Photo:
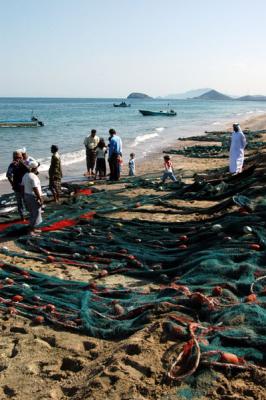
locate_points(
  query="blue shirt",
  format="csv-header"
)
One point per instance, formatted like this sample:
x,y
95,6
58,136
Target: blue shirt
x,y
115,145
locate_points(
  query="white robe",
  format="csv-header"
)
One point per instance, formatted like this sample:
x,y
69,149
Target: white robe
x,y
238,144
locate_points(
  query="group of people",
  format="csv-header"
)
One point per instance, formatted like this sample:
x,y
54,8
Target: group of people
x,y
22,174
96,151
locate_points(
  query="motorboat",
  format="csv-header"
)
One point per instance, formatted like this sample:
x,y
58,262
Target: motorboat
x,y
123,105
170,113
33,122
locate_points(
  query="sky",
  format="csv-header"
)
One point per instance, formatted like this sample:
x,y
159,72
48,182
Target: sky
x,y
110,48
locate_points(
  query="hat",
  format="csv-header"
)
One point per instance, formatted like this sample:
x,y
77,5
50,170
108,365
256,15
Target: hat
x,y
236,124
33,164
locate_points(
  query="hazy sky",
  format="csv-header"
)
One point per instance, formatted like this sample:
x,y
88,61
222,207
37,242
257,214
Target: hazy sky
x,y
109,48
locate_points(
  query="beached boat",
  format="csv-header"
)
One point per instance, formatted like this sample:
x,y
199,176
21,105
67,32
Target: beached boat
x,y
33,122
123,104
169,113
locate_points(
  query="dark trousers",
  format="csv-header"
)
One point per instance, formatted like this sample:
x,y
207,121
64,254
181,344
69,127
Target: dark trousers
x,y
114,167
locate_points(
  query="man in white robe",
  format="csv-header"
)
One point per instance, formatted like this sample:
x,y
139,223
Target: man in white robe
x,y
238,144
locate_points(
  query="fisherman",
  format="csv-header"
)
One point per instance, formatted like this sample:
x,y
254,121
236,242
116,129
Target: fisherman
x,y
115,155
237,147
16,170
55,173
33,195
90,143
26,158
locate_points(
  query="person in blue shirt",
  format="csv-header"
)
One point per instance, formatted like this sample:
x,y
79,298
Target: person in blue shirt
x,y
115,152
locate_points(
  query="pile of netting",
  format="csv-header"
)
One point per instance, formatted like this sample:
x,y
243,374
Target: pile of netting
x,y
219,150
208,277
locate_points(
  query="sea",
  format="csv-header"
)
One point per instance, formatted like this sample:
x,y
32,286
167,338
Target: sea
x,y
67,121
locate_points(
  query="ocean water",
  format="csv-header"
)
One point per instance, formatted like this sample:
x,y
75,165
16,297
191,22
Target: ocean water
x,y
68,121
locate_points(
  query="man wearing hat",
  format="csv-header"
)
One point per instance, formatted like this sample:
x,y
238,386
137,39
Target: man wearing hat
x,y
237,148
33,195
16,170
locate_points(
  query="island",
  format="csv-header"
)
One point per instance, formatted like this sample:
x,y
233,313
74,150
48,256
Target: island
x,y
135,95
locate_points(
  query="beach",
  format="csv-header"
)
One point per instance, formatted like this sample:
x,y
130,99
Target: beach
x,y
48,362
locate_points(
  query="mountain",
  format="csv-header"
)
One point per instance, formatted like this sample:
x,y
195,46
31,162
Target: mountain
x,y
187,95
213,95
252,98
136,95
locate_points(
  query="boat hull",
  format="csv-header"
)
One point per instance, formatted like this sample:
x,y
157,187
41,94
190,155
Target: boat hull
x,y
21,124
157,113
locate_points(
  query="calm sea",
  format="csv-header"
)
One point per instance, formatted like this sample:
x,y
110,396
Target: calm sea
x,y
68,121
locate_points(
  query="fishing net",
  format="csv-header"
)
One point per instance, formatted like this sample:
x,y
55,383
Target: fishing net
x,y
204,280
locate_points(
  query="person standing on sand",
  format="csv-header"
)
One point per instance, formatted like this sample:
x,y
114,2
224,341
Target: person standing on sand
x,y
33,195
90,143
168,169
237,148
16,170
115,152
131,165
100,159
55,173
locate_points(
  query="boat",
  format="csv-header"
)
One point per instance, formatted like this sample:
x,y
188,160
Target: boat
x,y
123,105
170,113
33,122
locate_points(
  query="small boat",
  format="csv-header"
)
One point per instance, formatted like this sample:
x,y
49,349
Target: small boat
x,y
170,113
33,122
123,104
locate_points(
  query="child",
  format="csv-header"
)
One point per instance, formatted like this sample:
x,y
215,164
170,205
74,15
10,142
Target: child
x,y
100,159
131,165
168,169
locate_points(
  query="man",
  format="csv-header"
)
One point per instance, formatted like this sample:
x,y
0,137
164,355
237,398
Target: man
x,y
90,143
26,158
33,195
55,173
115,154
237,147
16,170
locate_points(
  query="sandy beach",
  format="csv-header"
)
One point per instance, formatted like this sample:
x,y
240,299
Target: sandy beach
x,y
43,362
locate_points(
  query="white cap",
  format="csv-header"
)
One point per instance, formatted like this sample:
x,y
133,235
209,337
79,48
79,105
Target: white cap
x,y
33,164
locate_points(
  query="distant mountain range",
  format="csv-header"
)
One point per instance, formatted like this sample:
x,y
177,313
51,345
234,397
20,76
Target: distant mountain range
x,y
199,94
214,95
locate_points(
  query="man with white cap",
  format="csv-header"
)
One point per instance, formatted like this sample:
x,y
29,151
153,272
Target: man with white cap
x,y
26,158
33,195
237,147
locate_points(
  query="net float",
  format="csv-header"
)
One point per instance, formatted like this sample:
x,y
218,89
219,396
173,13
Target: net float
x,y
247,229
17,298
119,224
137,240
243,211
50,259
93,285
138,204
25,286
182,246
39,319
250,298
76,255
36,298
50,307
9,281
118,309
25,274
227,238
217,227
229,358
166,229
217,291
183,238
103,273
92,247
123,251
12,311
254,246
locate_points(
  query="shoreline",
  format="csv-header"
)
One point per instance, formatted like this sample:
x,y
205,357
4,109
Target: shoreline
x,y
152,162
